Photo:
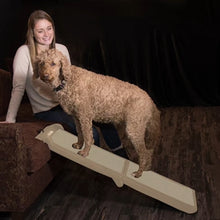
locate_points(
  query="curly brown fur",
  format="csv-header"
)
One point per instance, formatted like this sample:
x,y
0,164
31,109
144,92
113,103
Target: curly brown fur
x,y
88,97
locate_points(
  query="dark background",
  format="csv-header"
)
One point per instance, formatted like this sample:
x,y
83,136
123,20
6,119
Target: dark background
x,y
170,48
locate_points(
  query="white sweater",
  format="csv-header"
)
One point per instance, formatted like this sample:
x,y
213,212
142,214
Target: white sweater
x,y
40,95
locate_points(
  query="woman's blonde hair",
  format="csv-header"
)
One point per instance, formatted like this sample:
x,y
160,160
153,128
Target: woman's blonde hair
x,y
30,40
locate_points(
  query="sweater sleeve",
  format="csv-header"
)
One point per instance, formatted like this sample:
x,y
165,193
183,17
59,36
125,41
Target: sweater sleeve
x,y
21,64
62,48
67,54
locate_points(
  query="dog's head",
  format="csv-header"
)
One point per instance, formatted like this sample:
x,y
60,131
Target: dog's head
x,y
51,66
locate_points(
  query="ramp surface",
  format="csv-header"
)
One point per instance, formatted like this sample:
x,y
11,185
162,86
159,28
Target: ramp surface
x,y
120,170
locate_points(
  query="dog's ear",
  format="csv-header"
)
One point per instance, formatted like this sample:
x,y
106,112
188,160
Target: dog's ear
x,y
37,63
36,68
65,65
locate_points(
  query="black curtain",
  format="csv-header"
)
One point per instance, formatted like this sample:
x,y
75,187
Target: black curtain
x,y
171,52
170,48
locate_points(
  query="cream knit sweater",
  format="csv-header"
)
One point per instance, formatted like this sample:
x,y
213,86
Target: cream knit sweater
x,y
40,95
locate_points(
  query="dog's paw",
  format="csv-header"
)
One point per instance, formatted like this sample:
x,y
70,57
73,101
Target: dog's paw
x,y
137,173
77,146
83,153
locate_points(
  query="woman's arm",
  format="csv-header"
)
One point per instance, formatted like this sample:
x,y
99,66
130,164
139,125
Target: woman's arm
x,y
62,48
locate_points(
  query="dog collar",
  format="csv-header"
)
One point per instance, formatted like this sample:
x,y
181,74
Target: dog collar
x,y
61,86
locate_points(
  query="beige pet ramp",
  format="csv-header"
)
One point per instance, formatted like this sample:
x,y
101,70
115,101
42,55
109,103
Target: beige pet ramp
x,y
120,170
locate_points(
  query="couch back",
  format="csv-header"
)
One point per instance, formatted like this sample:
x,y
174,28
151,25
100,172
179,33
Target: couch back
x,y
5,90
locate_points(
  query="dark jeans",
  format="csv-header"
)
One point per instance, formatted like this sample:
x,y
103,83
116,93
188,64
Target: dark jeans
x,y
57,115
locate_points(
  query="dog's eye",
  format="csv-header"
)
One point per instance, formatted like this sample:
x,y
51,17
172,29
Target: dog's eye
x,y
53,64
42,63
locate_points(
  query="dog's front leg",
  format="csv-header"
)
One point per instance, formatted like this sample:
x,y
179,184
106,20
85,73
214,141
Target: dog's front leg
x,y
79,143
86,128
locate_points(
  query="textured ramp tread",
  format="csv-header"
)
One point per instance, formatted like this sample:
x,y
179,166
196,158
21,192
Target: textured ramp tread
x,y
120,170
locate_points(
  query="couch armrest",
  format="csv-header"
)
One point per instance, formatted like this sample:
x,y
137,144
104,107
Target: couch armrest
x,y
5,90
21,158
13,159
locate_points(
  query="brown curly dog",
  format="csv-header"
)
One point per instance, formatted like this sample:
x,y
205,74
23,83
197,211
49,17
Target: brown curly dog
x,y
89,97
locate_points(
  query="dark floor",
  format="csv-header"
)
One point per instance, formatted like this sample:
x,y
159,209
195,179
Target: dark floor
x,y
189,154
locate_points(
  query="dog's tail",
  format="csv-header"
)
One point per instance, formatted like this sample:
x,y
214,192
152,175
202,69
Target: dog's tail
x,y
153,130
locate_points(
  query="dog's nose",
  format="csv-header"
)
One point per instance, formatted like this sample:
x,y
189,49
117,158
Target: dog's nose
x,y
45,77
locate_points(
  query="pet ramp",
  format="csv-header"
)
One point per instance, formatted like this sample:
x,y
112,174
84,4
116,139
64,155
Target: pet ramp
x,y
120,170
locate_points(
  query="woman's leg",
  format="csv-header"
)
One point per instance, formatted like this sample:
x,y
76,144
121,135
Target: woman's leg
x,y
112,139
109,132
57,115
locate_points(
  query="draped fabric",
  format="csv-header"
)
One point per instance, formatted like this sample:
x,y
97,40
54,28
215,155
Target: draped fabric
x,y
170,48
177,66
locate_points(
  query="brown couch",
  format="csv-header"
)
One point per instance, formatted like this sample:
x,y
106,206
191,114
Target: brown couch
x,y
27,165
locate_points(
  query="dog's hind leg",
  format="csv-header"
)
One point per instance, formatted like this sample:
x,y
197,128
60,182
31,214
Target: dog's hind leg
x,y
126,143
153,130
135,130
143,153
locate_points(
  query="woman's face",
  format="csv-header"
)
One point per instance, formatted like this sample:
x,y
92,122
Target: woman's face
x,y
43,32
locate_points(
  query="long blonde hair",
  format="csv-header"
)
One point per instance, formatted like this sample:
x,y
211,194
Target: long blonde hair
x,y
30,40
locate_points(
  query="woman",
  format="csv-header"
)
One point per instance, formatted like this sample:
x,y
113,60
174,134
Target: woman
x,y
40,37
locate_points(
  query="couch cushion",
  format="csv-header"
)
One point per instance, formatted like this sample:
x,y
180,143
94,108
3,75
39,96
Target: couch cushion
x,y
24,134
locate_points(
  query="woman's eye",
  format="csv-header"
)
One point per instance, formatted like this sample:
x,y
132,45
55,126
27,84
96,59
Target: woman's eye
x,y
53,64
